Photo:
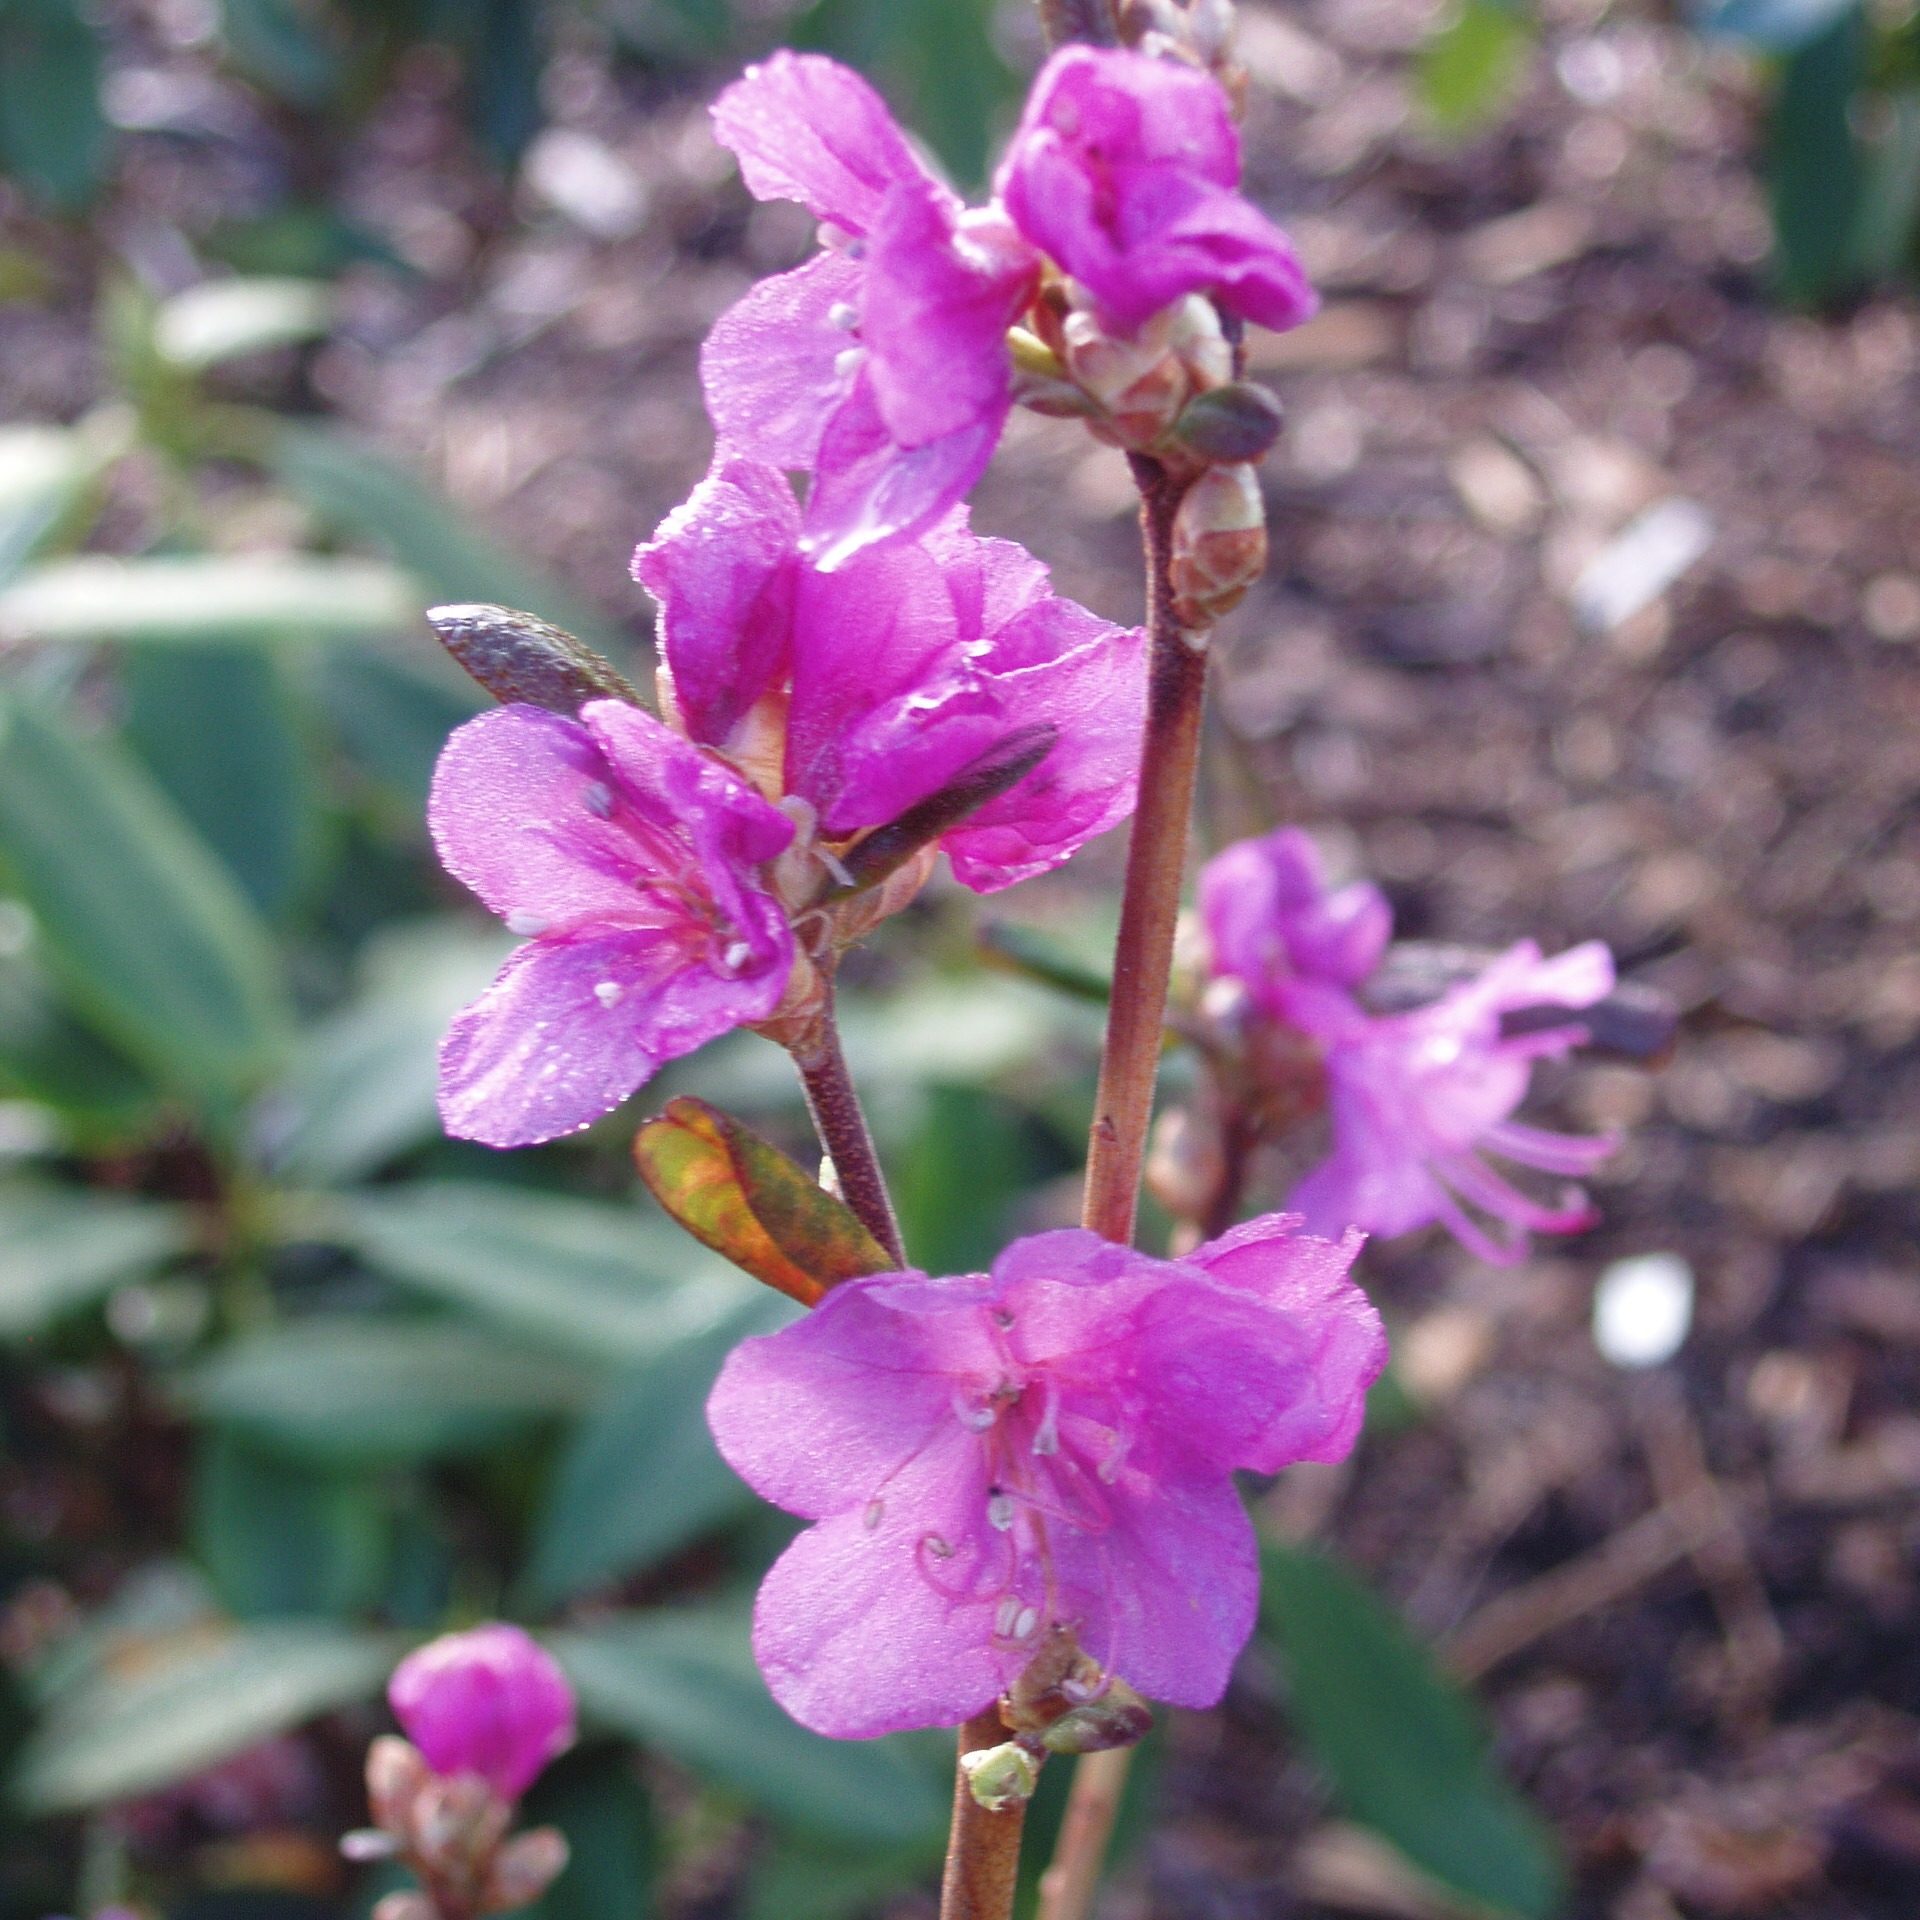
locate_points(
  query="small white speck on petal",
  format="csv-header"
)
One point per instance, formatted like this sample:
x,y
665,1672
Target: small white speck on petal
x,y
528,926
1000,1512
844,315
873,1513
609,992
1024,1624
1643,1309
848,362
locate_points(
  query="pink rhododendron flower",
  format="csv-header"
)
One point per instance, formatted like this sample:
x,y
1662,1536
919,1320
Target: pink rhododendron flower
x,y
491,1702
866,690
880,365
991,1455
1126,170
1416,1099
631,861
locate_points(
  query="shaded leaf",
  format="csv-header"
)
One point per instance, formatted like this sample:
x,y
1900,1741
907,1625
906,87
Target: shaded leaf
x,y
188,1704
47,1056
63,1248
1774,26
1401,1743
798,1880
1038,955
1815,170
207,597
685,1684
970,1160
53,136
603,1282
347,1391
641,1476
147,933
743,1197
44,474
1471,66
595,1798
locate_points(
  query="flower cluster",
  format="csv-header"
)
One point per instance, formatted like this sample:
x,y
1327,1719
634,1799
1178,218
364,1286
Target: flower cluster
x,y
994,1457
1416,1099
851,679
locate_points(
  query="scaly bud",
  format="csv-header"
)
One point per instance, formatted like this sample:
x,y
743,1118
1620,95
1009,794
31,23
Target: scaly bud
x,y
1001,1778
1187,1165
1194,332
1231,425
524,1869
519,658
1119,1718
395,1775
1138,380
458,1822
1219,545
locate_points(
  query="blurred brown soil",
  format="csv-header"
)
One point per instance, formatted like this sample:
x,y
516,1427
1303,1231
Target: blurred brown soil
x,y
1690,1600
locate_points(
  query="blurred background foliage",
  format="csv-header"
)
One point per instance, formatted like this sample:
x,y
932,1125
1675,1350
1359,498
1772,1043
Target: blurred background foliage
x,y
289,1379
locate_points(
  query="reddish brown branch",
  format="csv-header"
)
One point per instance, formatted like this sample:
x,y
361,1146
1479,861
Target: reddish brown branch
x,y
983,1850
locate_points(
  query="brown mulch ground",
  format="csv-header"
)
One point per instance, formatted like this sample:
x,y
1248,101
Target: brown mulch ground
x,y
1691,1600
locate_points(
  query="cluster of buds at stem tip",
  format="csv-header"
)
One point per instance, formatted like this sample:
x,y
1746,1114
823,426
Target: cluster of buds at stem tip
x,y
486,1711
1200,32
1219,546
1062,1703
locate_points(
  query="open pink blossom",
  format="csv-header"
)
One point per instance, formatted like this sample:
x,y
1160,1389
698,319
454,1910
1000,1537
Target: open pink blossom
x,y
1126,170
1054,1443
881,365
631,860
491,1701
1419,1099
1269,916
873,687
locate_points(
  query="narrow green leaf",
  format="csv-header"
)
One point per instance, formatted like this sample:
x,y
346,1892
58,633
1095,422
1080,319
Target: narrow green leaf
x,y
685,1685
148,936
802,1880
207,597
595,1798
641,1477
279,1539
577,1277
362,493
189,1705
1400,1742
53,136
44,474
220,729
349,1392
969,1162
63,1248
1040,956
743,1197
48,1057
1815,168
394,715
226,319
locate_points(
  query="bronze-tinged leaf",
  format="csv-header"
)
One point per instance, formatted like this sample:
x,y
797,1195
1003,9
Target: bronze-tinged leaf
x,y
517,657
744,1198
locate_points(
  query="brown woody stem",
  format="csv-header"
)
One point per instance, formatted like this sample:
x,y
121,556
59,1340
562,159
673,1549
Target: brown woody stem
x,y
983,1849
1130,1063
842,1126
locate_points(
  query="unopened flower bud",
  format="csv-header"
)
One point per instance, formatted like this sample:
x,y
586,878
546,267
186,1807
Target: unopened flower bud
x,y
1188,1164
1001,1778
1231,424
524,1869
1138,380
1119,1718
458,1822
1219,545
491,1703
395,1775
1194,332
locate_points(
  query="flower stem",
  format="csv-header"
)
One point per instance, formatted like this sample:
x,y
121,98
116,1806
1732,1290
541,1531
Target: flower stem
x,y
842,1126
983,1849
1130,1062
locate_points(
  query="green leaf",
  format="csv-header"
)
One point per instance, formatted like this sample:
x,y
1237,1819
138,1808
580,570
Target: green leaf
x,y
743,1197
1042,956
147,934
189,1705
48,1057
1400,1742
360,493
279,1539
284,45
578,1277
1815,168
1890,215
394,717
222,320
220,729
67,1247
1469,69
972,1158
685,1684
201,598
798,1880
45,472
53,137
594,1797
350,1392
641,1476
361,1089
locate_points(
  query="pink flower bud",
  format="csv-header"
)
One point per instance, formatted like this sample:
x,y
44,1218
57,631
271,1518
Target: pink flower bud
x,y
491,1702
1219,545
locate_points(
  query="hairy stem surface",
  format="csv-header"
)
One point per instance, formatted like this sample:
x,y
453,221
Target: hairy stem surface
x,y
1130,1062
842,1126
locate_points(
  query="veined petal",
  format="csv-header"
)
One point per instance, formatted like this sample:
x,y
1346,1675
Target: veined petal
x,y
805,128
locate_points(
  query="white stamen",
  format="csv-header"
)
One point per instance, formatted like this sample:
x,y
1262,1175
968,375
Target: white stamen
x,y
597,797
737,955
871,1517
847,362
609,992
937,1547
1006,1614
527,925
835,866
1046,1438
1000,1512
1024,1624
844,315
